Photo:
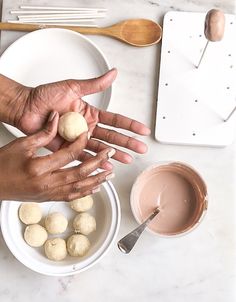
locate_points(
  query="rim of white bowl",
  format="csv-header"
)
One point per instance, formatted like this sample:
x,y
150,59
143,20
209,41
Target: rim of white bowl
x,y
70,269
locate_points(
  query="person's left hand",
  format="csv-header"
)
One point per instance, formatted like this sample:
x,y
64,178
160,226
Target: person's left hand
x,y
67,96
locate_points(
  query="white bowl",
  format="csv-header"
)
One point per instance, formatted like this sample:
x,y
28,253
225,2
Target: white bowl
x,y
106,210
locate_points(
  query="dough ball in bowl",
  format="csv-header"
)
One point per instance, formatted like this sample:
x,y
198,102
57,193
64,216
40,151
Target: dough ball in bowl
x,y
82,204
78,245
71,125
35,235
84,223
56,223
55,249
30,212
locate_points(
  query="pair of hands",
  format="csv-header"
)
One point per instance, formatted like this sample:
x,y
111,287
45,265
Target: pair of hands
x,y
25,176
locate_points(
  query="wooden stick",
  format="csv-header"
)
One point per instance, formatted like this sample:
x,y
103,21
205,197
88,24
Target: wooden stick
x,y
83,23
49,14
61,8
73,20
29,12
60,17
58,20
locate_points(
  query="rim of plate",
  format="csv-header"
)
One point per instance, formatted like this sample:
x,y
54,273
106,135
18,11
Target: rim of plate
x,y
70,269
18,133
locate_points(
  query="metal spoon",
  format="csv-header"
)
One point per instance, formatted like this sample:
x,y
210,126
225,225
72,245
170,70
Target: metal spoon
x,y
127,243
136,32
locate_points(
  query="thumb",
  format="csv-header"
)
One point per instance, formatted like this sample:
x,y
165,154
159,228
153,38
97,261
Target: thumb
x,y
96,84
47,134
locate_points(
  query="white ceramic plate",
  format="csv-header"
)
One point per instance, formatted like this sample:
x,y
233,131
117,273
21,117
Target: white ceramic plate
x,y
106,210
50,55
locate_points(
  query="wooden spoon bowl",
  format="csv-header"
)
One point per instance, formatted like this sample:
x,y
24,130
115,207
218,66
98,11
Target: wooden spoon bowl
x,y
137,32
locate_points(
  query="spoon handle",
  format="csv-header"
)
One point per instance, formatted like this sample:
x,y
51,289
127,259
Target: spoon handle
x,y
127,243
31,27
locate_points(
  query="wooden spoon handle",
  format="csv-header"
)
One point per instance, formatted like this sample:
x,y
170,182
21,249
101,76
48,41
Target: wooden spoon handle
x,y
32,27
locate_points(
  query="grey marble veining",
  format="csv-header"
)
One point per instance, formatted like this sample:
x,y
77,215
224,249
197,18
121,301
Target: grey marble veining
x,y
197,267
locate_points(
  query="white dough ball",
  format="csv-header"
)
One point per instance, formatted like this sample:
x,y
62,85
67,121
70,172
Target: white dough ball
x,y
78,245
30,212
35,235
55,249
84,223
71,125
82,204
56,223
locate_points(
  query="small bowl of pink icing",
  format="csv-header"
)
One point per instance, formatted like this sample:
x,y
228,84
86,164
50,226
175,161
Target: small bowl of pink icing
x,y
177,190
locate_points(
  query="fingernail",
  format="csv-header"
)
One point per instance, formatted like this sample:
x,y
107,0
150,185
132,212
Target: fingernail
x,y
107,166
111,153
110,176
98,189
89,135
51,116
147,132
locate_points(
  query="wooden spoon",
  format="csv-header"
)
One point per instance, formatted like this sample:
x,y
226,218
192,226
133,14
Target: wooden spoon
x,y
136,32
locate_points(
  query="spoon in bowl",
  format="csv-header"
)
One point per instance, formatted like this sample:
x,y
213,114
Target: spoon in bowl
x,y
136,32
127,243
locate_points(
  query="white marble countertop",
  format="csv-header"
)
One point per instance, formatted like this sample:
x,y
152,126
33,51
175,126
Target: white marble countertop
x,y
198,267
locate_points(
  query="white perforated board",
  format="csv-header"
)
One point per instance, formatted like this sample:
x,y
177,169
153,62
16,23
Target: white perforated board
x,y
193,103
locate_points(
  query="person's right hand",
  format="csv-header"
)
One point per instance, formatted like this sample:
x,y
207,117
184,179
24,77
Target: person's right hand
x,y
25,176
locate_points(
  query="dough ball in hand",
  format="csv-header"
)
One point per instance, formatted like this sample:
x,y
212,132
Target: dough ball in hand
x,y
30,212
55,249
78,245
82,204
71,125
35,235
84,223
56,223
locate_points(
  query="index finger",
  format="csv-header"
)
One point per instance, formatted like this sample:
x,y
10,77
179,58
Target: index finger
x,y
120,121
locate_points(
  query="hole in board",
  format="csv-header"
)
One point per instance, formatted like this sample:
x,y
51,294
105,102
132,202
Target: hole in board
x,y
194,134
231,23
200,36
164,117
229,55
171,19
166,84
168,51
228,87
195,101
231,66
